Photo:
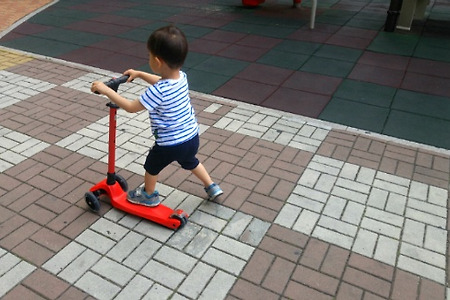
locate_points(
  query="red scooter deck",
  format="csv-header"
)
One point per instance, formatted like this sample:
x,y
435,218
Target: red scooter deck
x,y
161,214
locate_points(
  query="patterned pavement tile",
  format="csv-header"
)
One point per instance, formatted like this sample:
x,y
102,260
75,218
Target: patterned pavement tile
x,y
310,210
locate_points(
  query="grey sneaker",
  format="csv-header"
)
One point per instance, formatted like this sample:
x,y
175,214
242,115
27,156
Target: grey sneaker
x,y
213,191
140,196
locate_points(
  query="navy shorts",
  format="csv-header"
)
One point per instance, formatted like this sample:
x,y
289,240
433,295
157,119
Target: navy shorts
x,y
160,157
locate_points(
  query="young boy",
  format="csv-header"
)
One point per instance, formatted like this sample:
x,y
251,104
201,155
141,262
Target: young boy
x,y
172,117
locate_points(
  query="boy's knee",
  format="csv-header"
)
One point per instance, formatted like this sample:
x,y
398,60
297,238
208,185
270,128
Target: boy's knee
x,y
190,165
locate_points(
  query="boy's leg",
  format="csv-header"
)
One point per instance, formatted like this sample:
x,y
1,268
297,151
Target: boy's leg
x,y
146,195
186,153
201,173
212,189
155,162
150,183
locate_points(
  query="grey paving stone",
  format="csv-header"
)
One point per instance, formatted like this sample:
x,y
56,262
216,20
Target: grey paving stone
x,y
425,217
135,289
333,237
97,286
353,213
224,261
174,197
201,242
337,225
175,259
7,262
309,193
125,246
381,227
383,216
113,271
354,186
14,276
386,250
413,266
219,286
378,198
158,292
95,241
255,232
334,207
233,247
237,225
162,274
365,242
418,190
423,255
350,195
142,254
396,204
306,222
391,187
79,266
109,229
154,231
435,239
413,232
427,208
184,237
209,221
437,196
190,204
217,210
64,257
366,175
288,215
196,280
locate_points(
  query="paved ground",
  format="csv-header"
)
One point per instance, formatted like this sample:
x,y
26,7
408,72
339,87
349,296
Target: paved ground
x,y
347,70
312,210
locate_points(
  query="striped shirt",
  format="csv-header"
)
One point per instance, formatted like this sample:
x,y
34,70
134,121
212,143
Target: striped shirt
x,y
172,117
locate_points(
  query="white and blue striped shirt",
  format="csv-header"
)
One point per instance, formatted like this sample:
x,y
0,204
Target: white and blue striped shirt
x,y
172,117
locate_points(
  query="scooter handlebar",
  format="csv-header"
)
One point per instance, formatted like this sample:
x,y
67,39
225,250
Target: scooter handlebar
x,y
114,83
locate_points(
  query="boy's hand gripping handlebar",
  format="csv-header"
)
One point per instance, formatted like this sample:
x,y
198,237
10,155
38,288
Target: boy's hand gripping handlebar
x,y
114,83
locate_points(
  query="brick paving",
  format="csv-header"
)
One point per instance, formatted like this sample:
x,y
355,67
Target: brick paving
x,y
311,210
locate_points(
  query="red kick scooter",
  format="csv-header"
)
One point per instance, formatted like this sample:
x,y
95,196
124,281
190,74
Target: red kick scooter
x,y
115,186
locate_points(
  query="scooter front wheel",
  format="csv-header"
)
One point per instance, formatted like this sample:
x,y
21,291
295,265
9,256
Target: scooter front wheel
x,y
92,201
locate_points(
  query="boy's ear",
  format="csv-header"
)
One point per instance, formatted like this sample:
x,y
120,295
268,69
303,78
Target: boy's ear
x,y
159,61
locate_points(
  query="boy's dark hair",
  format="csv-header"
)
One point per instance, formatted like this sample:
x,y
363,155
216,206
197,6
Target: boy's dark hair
x,y
169,43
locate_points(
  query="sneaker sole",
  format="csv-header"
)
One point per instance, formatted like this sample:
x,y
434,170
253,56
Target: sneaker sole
x,y
212,198
143,204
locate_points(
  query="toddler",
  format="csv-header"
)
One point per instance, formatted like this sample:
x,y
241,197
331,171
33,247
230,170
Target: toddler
x,y
172,116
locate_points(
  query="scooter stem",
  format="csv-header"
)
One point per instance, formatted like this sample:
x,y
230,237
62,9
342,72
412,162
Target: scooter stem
x,y
111,175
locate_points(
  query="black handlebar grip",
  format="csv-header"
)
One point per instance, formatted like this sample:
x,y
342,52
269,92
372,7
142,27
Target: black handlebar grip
x,y
114,83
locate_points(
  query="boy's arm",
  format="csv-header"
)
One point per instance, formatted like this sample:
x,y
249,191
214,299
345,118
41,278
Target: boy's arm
x,y
129,106
150,78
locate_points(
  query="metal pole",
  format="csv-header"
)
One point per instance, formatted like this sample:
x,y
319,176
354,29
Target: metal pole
x,y
392,15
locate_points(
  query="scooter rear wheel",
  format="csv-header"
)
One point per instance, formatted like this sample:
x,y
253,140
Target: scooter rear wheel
x,y
182,217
